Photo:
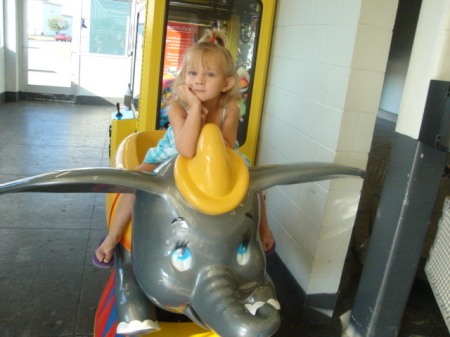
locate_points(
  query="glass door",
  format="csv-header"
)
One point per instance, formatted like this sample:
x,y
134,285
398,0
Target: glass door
x,y
52,30
138,11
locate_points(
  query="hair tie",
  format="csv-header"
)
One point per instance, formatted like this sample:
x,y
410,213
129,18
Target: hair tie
x,y
212,40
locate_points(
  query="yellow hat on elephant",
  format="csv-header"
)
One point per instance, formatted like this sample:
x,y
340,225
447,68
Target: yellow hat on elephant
x,y
216,179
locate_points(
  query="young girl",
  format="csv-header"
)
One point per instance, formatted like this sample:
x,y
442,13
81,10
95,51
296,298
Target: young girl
x,y
206,91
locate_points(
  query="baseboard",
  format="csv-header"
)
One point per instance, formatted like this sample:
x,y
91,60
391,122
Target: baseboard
x,y
12,96
97,100
295,303
86,100
32,96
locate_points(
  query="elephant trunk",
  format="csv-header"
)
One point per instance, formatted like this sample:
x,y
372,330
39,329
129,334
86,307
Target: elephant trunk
x,y
216,302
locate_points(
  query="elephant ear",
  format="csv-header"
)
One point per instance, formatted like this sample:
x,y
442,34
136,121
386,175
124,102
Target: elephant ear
x,y
264,177
94,180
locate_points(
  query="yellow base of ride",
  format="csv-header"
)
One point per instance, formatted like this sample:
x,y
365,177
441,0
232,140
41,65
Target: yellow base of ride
x,y
129,155
169,329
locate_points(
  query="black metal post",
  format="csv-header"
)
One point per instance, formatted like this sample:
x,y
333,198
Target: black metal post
x,y
411,184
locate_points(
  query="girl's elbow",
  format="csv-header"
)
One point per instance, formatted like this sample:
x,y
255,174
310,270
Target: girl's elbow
x,y
186,149
187,153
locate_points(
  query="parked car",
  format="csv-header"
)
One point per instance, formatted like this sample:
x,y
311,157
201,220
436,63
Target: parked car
x,y
63,38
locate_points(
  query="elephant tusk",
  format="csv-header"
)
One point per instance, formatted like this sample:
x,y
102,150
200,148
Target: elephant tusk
x,y
252,308
137,327
274,303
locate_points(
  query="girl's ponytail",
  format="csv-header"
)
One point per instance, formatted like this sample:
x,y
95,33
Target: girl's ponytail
x,y
214,36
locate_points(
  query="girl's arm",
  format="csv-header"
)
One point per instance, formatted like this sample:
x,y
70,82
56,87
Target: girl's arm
x,y
230,124
186,126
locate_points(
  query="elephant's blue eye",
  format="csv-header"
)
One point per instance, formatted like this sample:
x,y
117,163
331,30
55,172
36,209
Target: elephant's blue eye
x,y
181,258
243,253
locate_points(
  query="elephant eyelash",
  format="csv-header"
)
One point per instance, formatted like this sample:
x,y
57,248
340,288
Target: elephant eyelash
x,y
246,239
181,244
177,219
248,215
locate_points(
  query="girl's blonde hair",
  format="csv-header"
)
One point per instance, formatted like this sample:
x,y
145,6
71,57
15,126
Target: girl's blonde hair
x,y
212,45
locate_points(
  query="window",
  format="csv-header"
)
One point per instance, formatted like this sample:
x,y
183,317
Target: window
x,y
108,27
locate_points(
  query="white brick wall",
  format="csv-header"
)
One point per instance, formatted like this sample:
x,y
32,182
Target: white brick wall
x,y
325,78
429,59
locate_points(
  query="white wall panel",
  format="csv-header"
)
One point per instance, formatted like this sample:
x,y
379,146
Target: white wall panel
x,y
325,78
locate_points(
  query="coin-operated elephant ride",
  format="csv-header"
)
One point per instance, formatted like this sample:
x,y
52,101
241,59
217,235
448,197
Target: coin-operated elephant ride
x,y
195,247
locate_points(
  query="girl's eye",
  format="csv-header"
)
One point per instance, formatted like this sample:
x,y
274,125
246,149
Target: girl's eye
x,y
192,73
209,74
181,258
243,253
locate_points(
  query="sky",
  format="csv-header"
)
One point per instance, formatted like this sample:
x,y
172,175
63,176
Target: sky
x,y
69,6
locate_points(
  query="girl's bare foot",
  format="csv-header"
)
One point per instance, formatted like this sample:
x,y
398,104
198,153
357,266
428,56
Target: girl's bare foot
x,y
267,239
105,251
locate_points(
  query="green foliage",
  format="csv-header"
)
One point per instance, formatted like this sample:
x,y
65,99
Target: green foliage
x,y
57,23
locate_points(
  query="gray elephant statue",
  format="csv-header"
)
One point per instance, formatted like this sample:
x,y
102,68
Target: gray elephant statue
x,y
195,244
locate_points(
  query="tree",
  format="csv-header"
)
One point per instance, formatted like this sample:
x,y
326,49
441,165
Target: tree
x,y
57,24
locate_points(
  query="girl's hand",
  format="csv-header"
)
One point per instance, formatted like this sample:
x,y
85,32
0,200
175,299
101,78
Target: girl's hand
x,y
188,97
192,102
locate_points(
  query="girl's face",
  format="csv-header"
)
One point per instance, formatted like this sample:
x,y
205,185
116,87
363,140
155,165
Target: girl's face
x,y
205,77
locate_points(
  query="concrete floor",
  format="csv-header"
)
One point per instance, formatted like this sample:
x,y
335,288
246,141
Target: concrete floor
x,y
48,285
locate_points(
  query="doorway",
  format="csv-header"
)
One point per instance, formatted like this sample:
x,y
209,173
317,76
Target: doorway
x,y
51,46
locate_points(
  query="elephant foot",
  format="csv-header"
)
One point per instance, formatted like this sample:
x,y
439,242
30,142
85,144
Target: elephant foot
x,y
137,327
